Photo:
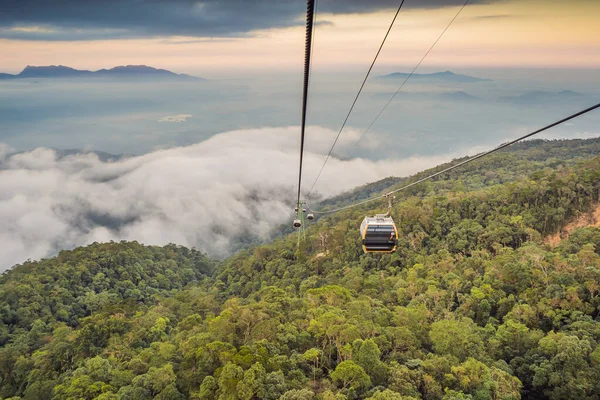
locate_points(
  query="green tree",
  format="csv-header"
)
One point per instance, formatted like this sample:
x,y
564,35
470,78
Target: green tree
x,y
208,389
230,377
295,394
460,339
348,374
565,370
275,385
367,354
312,355
252,385
388,395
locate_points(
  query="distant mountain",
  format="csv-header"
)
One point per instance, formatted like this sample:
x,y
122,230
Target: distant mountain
x,y
141,71
458,96
446,76
62,153
103,156
128,72
52,71
544,97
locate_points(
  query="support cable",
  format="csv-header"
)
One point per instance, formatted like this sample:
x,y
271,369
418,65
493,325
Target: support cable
x,y
310,8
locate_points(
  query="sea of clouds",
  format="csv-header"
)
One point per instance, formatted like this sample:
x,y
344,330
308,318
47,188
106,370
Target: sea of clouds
x,y
201,196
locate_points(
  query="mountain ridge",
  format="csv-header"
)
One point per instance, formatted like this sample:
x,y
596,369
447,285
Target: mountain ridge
x,y
459,95
446,76
540,154
122,71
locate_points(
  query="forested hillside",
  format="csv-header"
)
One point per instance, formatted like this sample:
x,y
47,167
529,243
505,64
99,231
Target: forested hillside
x,y
508,165
473,305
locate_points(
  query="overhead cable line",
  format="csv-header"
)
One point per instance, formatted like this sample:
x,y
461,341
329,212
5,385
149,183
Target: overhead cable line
x,y
312,48
357,96
408,77
470,160
395,94
310,8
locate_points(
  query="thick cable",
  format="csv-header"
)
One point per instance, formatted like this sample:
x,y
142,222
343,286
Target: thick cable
x,y
357,96
470,160
310,8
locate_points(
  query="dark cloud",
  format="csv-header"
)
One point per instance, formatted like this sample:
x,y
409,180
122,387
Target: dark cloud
x,y
110,19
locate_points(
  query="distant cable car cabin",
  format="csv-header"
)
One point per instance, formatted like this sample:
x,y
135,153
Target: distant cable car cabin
x,y
297,223
379,234
310,217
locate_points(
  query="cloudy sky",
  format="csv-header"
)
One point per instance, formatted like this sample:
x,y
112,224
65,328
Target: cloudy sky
x,y
219,37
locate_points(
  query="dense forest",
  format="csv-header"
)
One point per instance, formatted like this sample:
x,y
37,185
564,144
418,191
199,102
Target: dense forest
x,y
475,304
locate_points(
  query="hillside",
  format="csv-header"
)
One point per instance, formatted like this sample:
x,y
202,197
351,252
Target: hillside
x,y
509,165
474,304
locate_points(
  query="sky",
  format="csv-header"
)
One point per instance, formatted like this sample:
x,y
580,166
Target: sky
x,y
212,164
218,38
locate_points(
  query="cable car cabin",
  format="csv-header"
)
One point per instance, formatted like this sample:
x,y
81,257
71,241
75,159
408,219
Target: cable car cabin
x,y
379,235
297,223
